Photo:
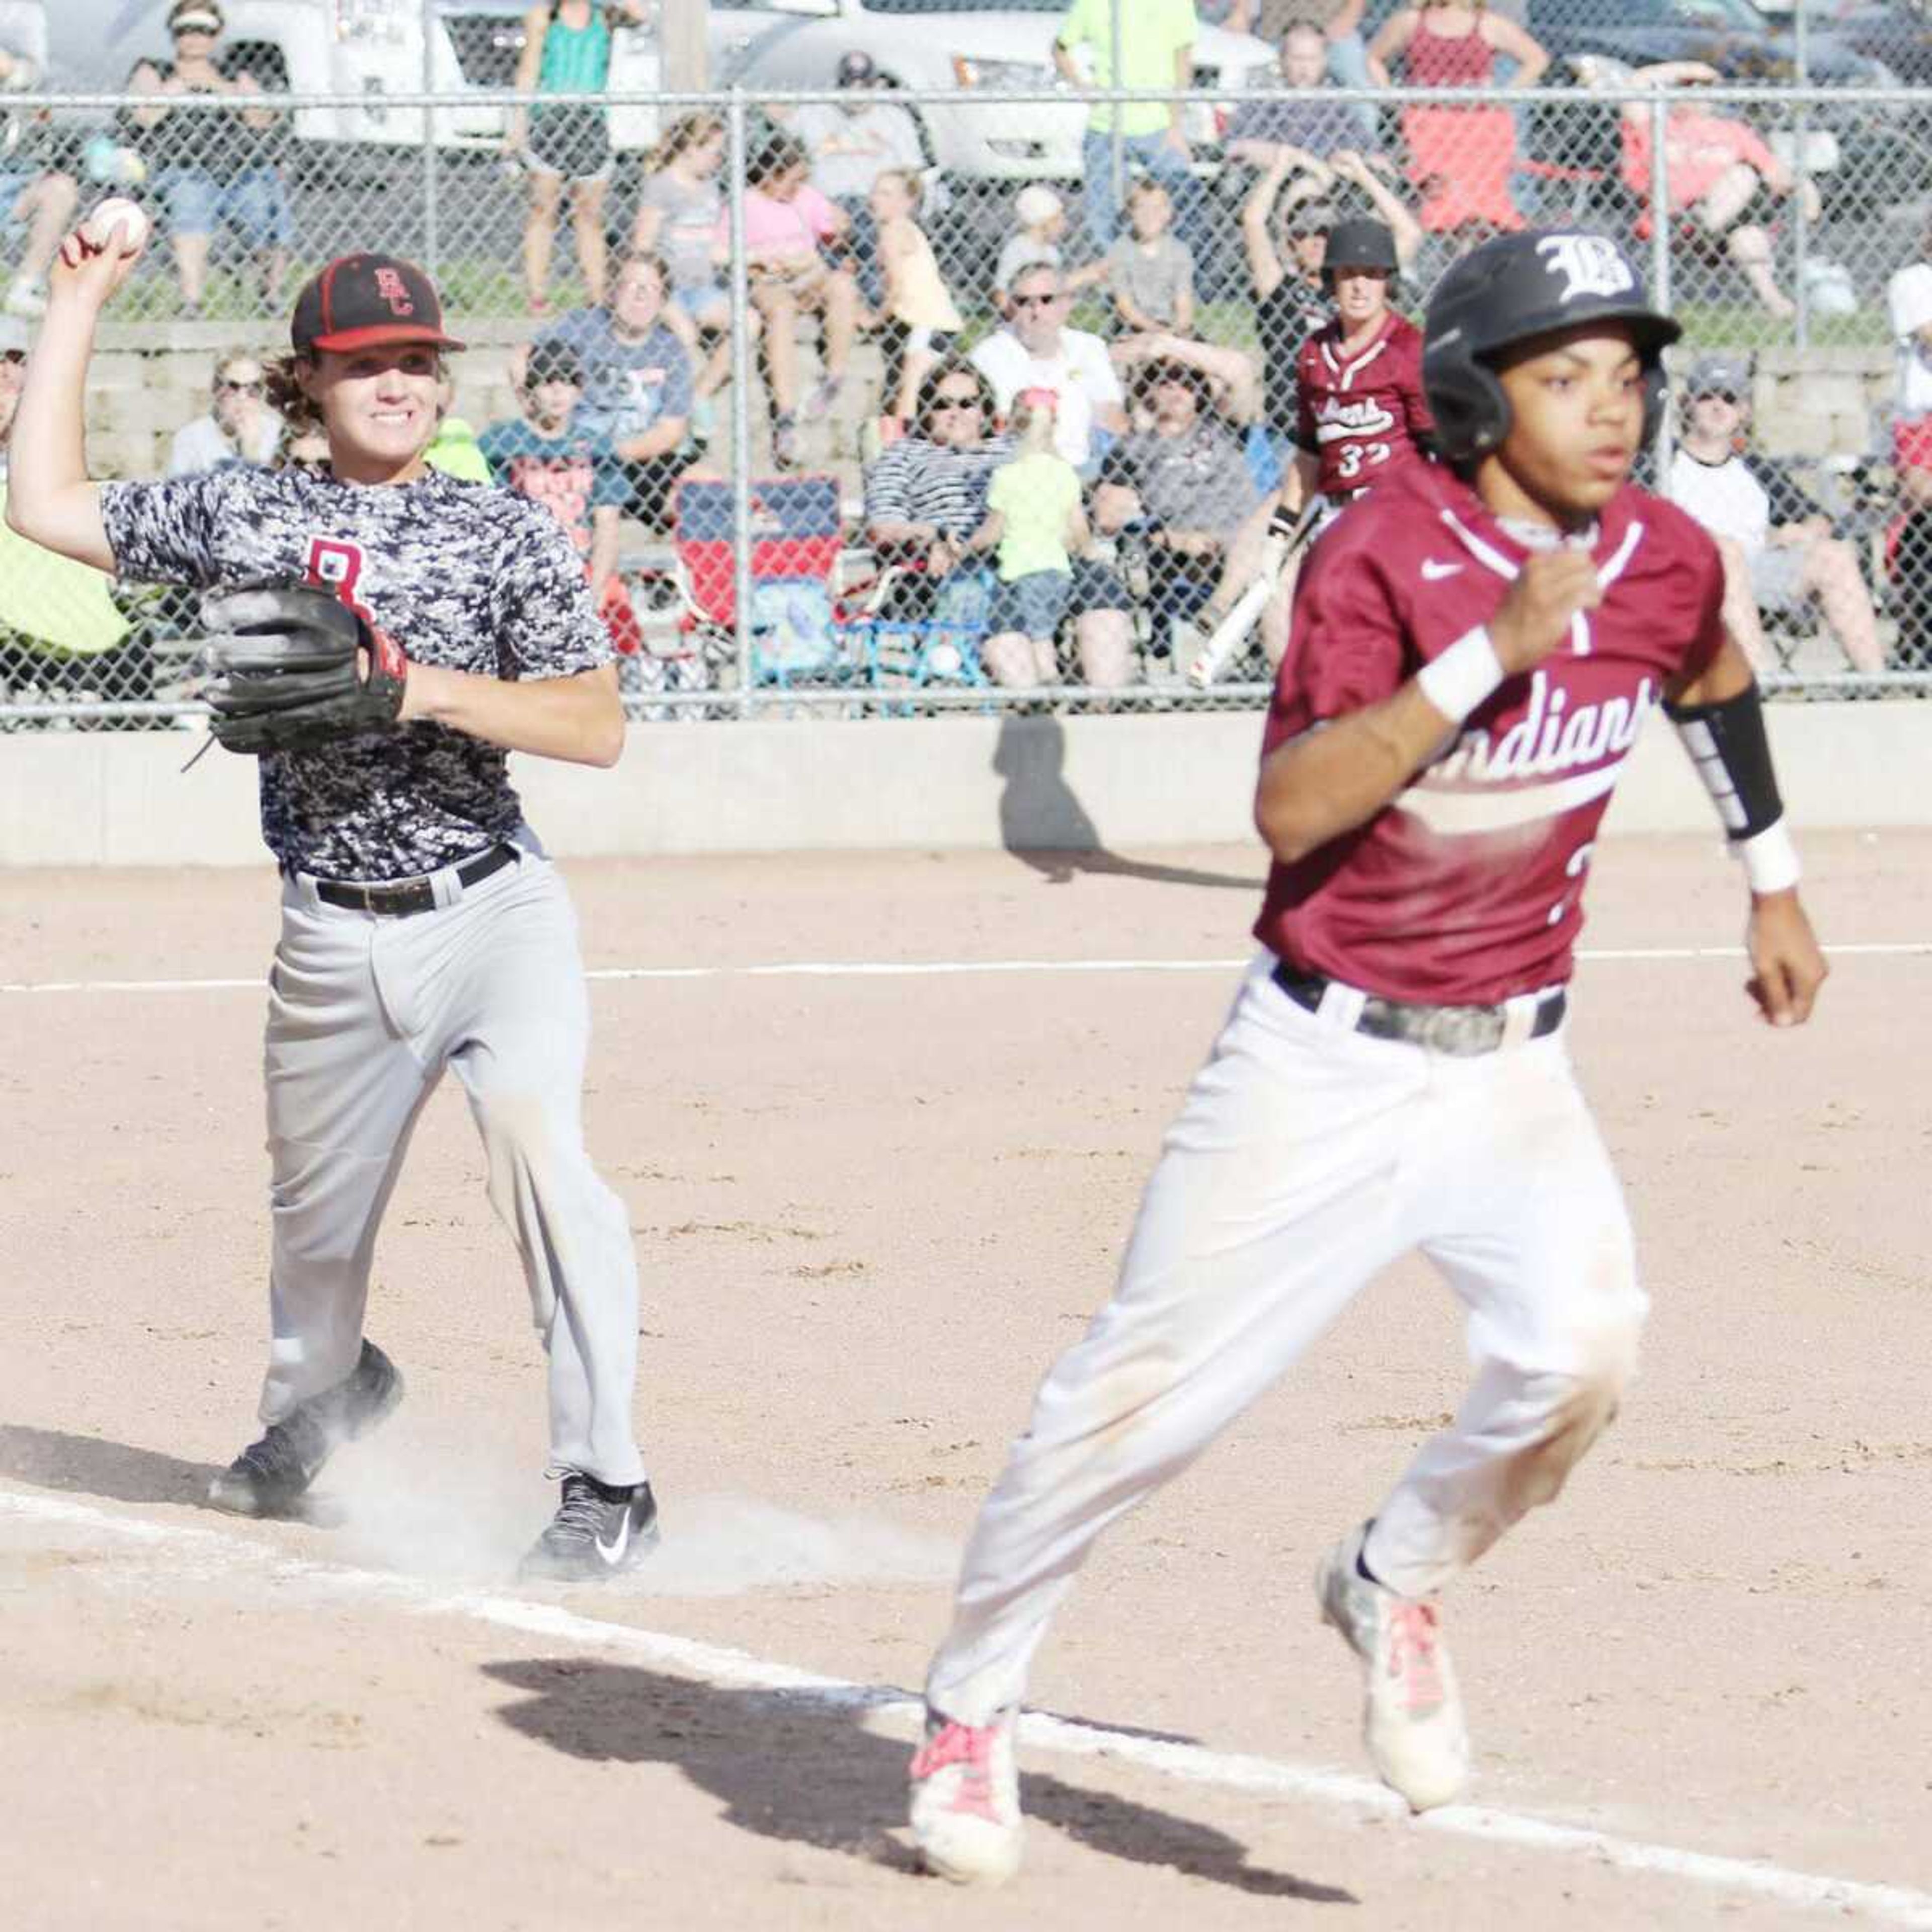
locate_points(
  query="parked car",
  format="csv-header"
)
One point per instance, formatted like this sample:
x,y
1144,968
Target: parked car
x,y
948,52
373,49
1898,32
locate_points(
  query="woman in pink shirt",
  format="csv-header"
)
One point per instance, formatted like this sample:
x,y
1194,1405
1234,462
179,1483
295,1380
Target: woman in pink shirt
x,y
787,220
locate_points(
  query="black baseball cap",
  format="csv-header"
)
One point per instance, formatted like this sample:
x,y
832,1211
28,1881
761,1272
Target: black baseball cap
x,y
553,362
858,69
361,302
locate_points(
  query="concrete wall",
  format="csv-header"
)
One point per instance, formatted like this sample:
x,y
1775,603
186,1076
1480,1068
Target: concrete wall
x,y
121,798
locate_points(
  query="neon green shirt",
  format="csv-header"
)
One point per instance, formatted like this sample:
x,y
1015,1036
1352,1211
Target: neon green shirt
x,y
454,451
51,600
1152,32
1036,495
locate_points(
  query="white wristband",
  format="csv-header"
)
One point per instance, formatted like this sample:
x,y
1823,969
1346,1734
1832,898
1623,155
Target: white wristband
x,y
1769,859
1463,676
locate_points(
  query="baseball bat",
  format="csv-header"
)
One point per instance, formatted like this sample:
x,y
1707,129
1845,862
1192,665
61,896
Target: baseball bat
x,y
1285,536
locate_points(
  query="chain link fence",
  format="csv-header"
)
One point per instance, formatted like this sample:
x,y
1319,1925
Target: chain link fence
x,y
764,354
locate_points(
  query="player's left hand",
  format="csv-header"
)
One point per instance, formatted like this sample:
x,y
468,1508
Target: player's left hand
x,y
1787,965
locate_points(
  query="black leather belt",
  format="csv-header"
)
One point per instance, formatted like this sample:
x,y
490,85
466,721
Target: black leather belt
x,y
1460,1029
399,896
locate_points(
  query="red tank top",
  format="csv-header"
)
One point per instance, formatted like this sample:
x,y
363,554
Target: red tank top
x,y
1447,60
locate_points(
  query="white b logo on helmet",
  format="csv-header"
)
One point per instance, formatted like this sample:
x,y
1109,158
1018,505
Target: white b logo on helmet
x,y
1589,264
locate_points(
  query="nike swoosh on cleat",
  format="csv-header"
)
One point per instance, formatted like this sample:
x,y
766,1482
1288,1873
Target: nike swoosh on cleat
x,y
1433,571
613,1553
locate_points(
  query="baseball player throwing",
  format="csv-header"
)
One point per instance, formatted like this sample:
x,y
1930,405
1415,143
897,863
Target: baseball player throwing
x,y
385,636
1475,647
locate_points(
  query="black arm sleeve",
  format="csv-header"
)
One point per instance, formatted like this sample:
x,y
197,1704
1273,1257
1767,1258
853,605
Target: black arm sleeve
x,y
1727,743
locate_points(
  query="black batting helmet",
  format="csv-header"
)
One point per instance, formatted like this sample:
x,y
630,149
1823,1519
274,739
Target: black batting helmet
x,y
1360,243
1509,290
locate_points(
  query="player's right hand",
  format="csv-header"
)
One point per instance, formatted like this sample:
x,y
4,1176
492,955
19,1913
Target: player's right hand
x,y
1533,618
93,269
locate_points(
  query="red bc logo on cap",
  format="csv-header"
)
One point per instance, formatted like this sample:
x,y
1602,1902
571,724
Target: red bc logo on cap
x,y
393,290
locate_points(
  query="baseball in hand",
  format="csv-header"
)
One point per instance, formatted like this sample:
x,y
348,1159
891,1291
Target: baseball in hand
x,y
116,220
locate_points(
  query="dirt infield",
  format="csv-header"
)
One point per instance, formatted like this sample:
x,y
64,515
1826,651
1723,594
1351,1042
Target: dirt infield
x,y
870,1206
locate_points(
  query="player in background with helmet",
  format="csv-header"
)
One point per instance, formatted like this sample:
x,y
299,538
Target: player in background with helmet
x,y
1474,649
1360,411
422,927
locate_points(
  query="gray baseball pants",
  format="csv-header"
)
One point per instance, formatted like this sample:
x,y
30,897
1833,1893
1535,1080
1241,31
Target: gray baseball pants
x,y
364,1012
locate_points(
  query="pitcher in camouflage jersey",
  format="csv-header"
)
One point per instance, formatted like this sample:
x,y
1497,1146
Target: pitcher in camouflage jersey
x,y
422,925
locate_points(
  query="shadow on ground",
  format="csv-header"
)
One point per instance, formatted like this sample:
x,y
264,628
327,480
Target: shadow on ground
x,y
800,1768
1043,823
50,1459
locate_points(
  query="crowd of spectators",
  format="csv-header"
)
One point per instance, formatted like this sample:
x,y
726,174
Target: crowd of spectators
x,y
1050,442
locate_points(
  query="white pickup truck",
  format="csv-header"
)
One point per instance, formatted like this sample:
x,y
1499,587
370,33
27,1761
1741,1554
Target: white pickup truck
x,y
953,53
373,49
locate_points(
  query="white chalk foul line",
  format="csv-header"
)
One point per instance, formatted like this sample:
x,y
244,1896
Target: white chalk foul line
x,y
913,969
1190,1764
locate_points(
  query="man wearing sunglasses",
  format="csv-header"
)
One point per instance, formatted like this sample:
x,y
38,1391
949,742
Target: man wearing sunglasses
x,y
238,427
1781,559
1036,350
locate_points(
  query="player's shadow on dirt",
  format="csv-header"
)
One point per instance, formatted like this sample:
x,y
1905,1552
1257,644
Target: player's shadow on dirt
x,y
799,1768
1042,822
50,1459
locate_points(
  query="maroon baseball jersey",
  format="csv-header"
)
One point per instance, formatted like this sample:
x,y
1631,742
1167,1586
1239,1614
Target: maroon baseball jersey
x,y
1361,414
1467,887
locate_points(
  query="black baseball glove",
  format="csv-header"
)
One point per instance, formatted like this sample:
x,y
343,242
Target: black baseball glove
x,y
292,666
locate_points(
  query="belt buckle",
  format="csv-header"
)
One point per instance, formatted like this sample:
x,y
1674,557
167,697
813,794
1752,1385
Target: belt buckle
x,y
1461,1031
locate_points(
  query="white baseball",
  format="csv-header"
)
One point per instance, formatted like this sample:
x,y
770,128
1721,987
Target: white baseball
x,y
118,212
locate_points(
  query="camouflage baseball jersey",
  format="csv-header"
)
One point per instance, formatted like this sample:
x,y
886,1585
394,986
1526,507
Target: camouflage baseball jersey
x,y
460,575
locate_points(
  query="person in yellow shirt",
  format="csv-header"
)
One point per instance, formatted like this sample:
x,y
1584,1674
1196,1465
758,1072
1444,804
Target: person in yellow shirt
x,y
1034,520
61,634
1157,47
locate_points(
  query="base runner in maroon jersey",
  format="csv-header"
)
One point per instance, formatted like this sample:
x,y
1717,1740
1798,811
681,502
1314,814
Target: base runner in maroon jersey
x,y
1361,413
1474,646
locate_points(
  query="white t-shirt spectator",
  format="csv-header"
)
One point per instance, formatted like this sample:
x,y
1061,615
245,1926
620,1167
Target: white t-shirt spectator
x,y
1081,375
203,444
1908,301
850,152
1726,498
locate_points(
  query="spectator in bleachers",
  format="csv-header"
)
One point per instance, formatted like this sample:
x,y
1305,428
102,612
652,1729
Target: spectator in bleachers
x,y
1781,558
1909,545
1460,158
1231,376
1339,22
1184,480
788,224
1312,130
61,633
849,144
1036,350
1042,219
40,199
547,455
1150,271
681,217
919,317
212,170
925,497
1035,524
454,449
926,493
565,142
1720,173
638,381
239,426
1156,49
